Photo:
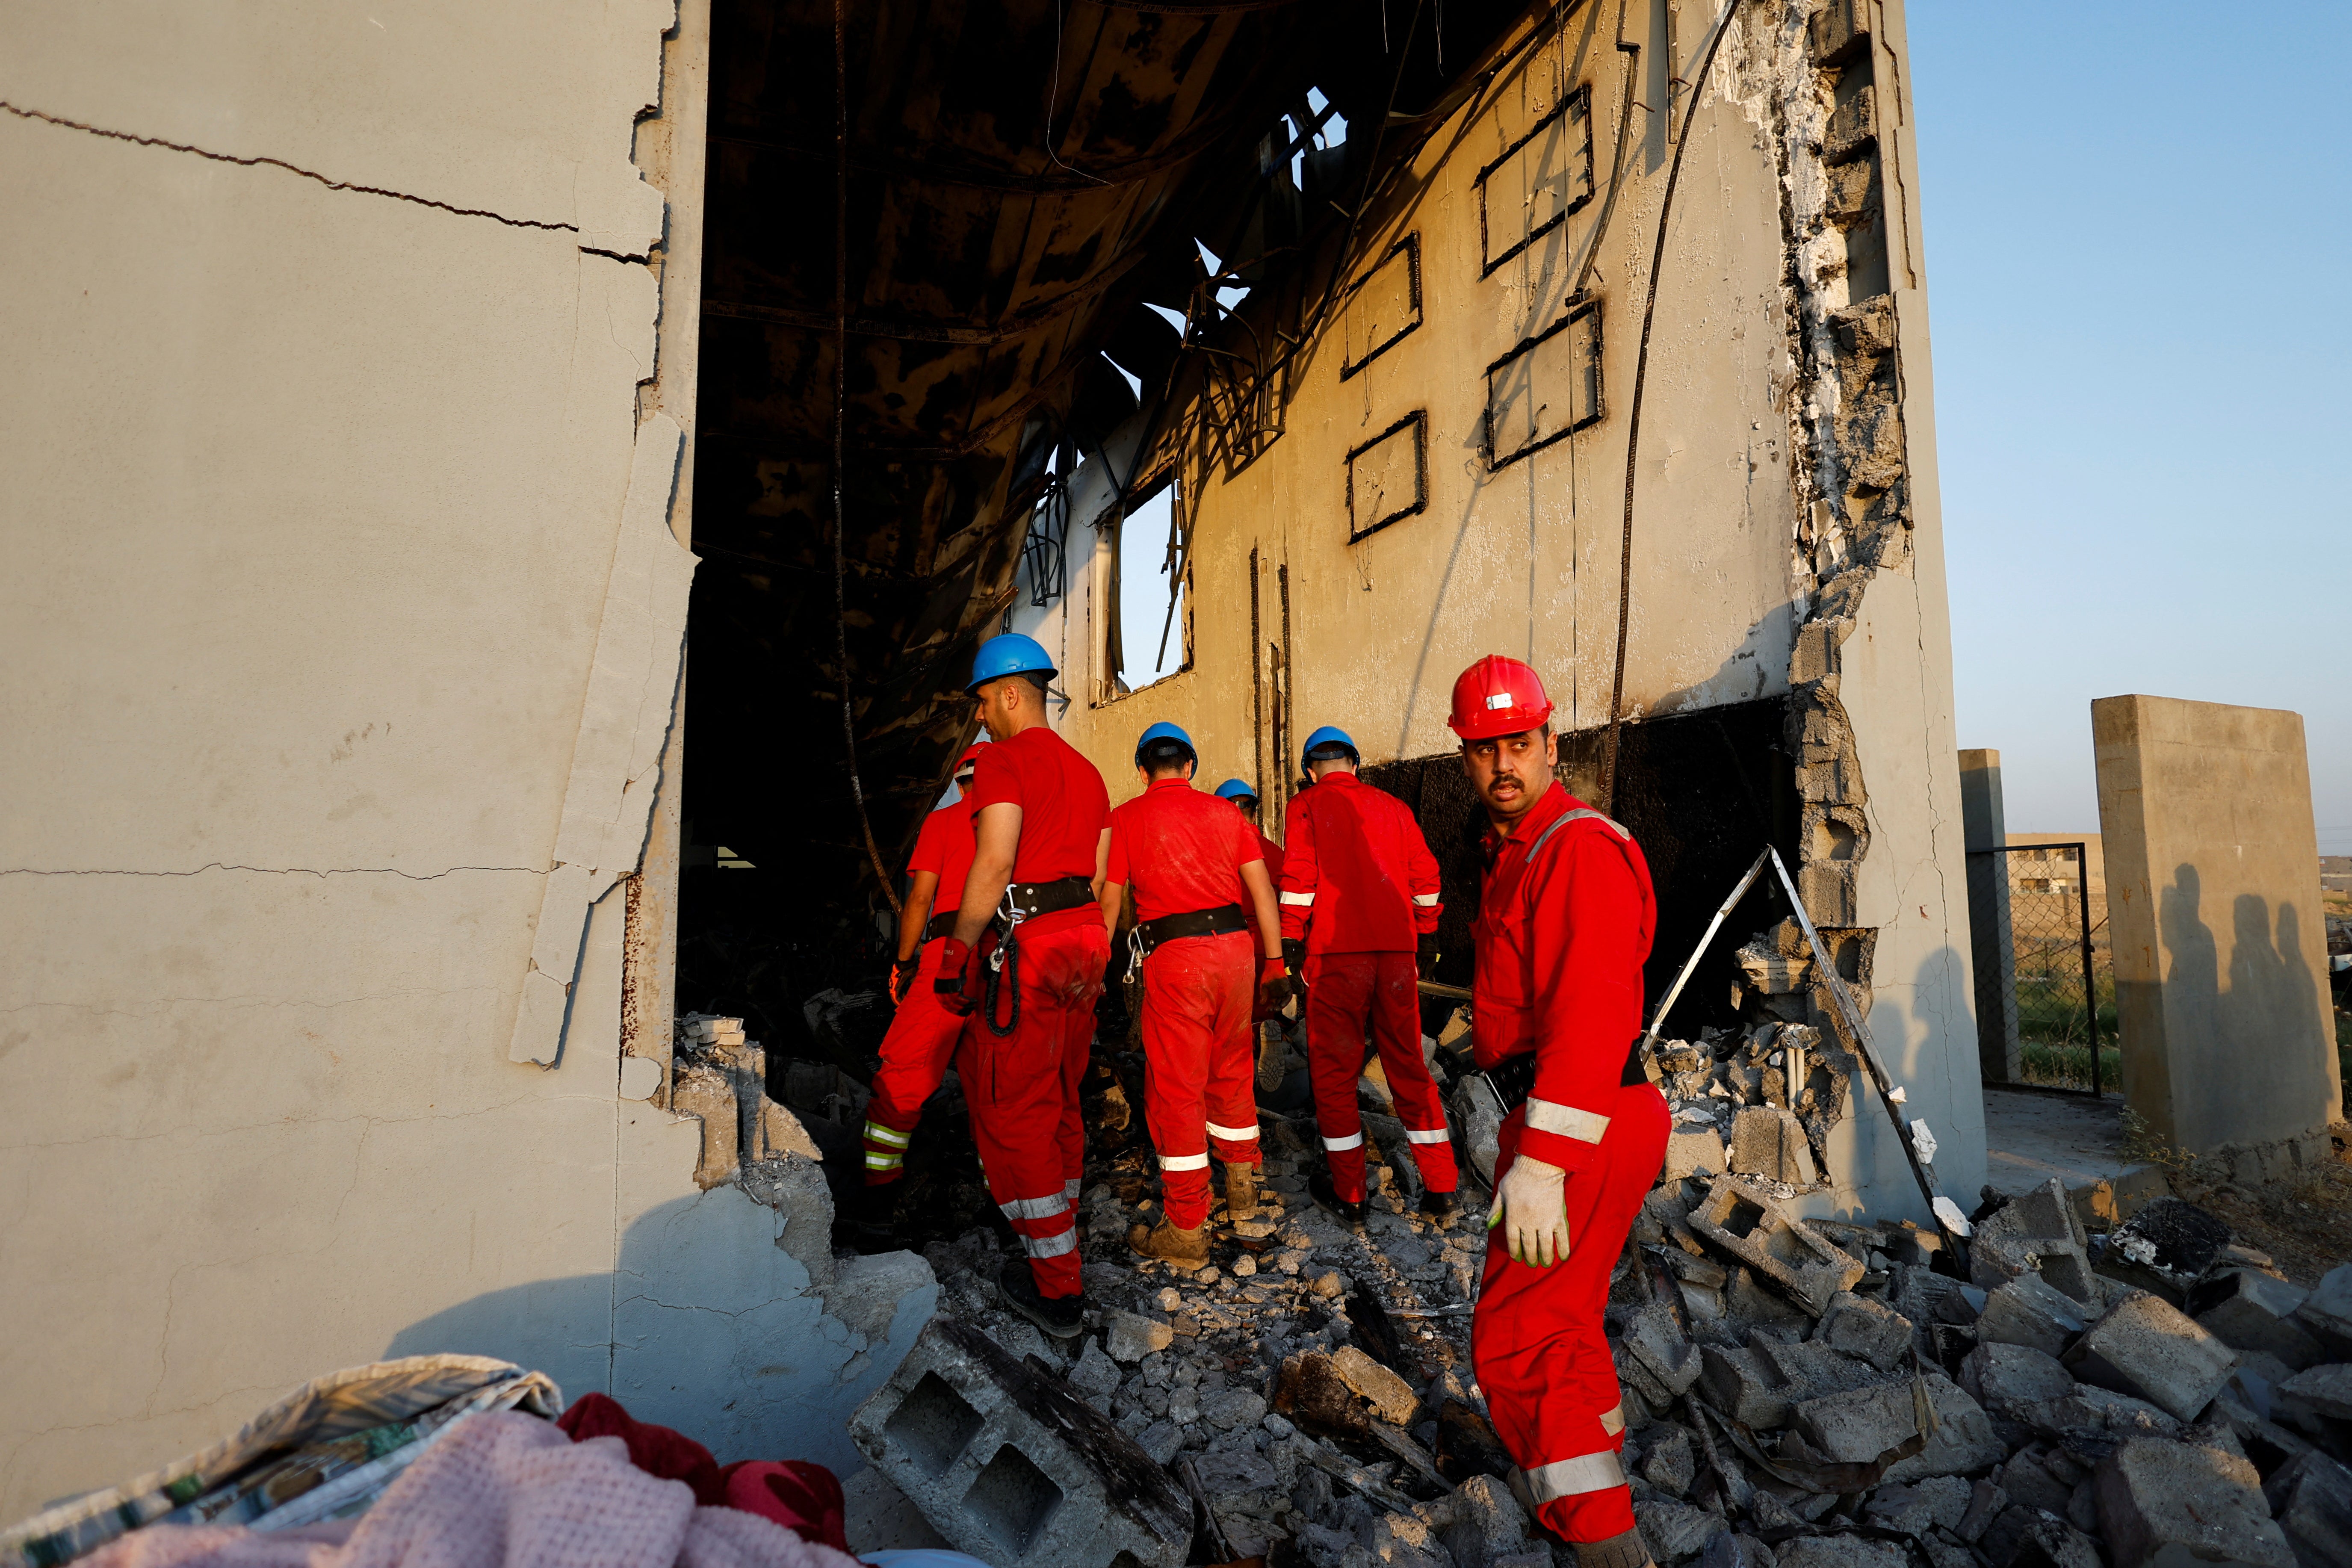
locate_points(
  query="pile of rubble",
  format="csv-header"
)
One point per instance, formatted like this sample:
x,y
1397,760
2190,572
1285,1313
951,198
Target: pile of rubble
x,y
1798,1393
1757,1102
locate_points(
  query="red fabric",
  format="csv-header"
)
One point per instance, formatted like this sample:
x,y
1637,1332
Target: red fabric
x,y
801,1496
1536,1339
1353,862
1561,944
1197,1063
916,1052
656,1450
1180,849
1350,994
1271,852
944,847
1064,809
1024,1093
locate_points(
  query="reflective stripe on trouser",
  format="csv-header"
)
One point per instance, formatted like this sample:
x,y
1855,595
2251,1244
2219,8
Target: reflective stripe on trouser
x,y
1199,1064
1536,1340
916,1052
1346,993
1023,1094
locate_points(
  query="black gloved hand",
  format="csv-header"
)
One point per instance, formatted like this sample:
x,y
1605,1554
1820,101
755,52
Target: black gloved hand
x,y
1294,956
902,978
957,985
1425,954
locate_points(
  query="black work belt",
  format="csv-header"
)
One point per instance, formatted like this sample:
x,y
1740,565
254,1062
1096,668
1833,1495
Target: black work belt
x,y
1218,921
1027,900
939,926
1514,1078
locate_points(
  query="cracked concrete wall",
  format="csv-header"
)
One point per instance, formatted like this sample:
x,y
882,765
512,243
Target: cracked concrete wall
x,y
342,632
1787,543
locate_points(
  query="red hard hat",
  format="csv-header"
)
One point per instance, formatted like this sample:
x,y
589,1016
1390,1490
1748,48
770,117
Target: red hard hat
x,y
1497,696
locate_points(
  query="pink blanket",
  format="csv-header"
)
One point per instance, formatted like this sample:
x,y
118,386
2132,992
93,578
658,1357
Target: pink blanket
x,y
499,1490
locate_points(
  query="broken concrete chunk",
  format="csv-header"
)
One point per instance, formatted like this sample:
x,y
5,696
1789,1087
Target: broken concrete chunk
x,y
1008,1464
2169,1502
1839,1551
2033,1538
1391,1396
2250,1310
1132,1337
1488,1527
2150,1348
2034,1232
1675,1531
1671,1464
2319,1403
1745,1223
1233,1409
865,1292
2005,1378
1810,1369
2310,1499
1697,1151
2030,1311
1770,1142
1096,1375
1871,1330
2327,1312
1987,1503
1937,1501
2028,1481
1862,1425
1655,1340
877,1517
1743,1385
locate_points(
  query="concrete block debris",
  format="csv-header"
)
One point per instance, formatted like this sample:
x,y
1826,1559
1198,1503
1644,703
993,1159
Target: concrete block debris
x,y
1655,1340
1859,1425
2149,1347
2035,1232
1130,1337
1869,1329
2164,1502
1391,1397
1696,1152
2310,1499
2007,1379
1769,1142
2327,1312
2250,1310
1751,1226
1011,1467
2025,1537
2028,1311
1758,1103
2317,1402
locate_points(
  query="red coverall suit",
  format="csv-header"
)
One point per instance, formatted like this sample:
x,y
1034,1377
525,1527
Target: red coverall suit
x,y
1564,923
1023,1087
1359,885
1182,850
923,1035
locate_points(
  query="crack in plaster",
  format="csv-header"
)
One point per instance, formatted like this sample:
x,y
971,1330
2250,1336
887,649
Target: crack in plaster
x,y
333,184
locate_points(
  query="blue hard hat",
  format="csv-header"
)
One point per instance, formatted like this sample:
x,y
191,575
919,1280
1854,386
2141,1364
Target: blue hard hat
x,y
1011,654
1164,731
1236,789
1330,735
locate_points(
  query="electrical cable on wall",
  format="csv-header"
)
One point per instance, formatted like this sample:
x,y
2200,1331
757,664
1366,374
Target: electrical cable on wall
x,y
1633,424
840,439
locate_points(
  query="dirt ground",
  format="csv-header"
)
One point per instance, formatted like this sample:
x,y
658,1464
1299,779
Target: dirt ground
x,y
2304,1221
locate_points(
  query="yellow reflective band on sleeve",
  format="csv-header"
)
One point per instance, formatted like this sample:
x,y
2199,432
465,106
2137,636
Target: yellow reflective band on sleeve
x,y
1565,1121
877,1132
1573,1478
1297,898
875,1162
1183,1162
1235,1134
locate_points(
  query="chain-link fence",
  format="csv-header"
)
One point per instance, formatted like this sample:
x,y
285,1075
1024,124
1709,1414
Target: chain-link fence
x,y
2045,988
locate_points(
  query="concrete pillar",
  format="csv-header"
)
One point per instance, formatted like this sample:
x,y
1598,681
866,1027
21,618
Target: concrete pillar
x,y
2213,905
1984,826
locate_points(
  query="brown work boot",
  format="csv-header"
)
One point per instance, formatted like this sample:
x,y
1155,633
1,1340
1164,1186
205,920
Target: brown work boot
x,y
1241,1190
1184,1248
1625,1551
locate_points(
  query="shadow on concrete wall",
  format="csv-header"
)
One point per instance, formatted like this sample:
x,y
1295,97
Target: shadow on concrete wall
x,y
2223,1049
704,1324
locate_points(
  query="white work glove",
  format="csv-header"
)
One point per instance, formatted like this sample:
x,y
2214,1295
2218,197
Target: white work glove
x,y
1533,1213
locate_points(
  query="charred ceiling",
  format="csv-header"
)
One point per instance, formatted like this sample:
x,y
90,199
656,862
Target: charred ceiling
x,y
1025,179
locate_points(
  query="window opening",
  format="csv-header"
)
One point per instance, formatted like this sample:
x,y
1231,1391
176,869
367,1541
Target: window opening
x,y
1152,623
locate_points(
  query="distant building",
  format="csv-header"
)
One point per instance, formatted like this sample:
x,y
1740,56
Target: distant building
x,y
2335,873
2047,882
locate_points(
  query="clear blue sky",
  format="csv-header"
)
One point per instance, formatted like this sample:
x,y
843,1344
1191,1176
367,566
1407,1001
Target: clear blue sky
x,y
2139,247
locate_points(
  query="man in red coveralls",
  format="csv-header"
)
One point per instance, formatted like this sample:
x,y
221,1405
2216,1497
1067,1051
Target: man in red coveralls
x,y
1564,923
1027,993
923,1035
1359,903
1201,890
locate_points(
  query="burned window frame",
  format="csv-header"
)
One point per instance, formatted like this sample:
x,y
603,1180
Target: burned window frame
x,y
1419,420
1411,246
1581,98
1576,310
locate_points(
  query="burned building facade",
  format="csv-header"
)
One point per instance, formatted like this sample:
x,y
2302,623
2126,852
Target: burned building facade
x,y
471,466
